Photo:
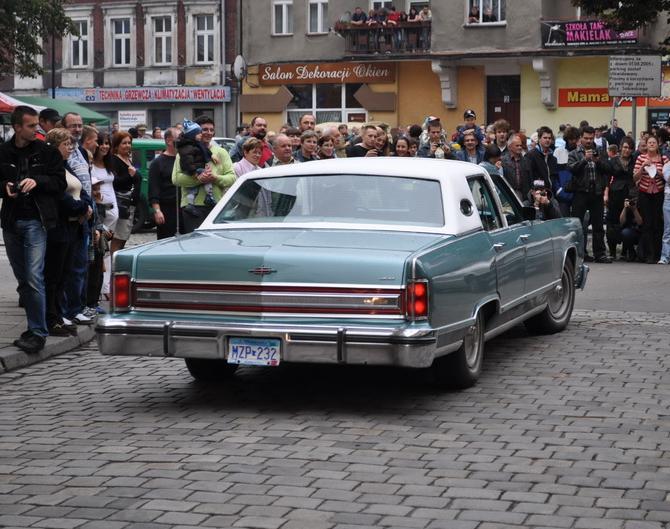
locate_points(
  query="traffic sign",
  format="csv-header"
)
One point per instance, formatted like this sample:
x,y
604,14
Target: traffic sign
x,y
635,76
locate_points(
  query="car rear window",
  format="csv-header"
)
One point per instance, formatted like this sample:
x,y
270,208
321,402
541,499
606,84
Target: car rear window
x,y
360,199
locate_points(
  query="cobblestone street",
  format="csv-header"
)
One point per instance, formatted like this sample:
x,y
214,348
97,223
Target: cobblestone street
x,y
565,431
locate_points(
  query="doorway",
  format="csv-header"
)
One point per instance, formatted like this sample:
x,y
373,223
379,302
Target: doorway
x,y
503,99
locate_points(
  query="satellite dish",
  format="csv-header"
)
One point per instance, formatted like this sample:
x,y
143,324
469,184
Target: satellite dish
x,y
239,68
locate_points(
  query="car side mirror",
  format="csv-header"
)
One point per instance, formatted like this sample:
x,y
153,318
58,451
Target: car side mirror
x,y
529,213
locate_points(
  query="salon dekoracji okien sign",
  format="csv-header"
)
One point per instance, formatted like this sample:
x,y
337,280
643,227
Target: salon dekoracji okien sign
x,y
337,72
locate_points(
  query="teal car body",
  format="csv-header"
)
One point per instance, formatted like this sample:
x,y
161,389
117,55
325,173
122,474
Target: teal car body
x,y
412,263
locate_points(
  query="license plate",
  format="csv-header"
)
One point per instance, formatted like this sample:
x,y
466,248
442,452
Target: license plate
x,y
254,351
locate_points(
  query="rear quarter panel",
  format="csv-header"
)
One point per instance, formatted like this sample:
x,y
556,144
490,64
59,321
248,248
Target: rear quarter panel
x,y
566,233
461,274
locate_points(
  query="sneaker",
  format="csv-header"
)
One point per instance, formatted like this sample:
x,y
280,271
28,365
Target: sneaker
x,y
100,310
588,258
59,329
662,260
82,319
31,343
90,312
603,259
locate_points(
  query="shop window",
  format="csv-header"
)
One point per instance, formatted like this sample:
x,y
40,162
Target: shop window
x,y
485,11
160,117
327,102
282,17
417,4
318,16
204,39
121,40
208,112
79,45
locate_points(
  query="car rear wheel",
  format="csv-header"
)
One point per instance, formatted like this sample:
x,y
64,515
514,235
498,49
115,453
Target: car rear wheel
x,y
205,370
556,316
461,369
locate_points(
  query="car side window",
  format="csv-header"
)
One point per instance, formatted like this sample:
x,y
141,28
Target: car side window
x,y
488,213
510,206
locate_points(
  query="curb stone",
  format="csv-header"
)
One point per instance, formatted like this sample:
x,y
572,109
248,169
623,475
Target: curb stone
x,y
12,358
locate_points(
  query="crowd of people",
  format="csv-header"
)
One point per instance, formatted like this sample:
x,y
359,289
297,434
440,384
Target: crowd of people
x,y
69,190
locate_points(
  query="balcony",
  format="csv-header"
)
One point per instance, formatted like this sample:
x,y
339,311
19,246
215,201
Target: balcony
x,y
406,38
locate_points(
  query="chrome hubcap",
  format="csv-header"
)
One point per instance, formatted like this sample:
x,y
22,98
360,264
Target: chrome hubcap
x,y
471,344
558,299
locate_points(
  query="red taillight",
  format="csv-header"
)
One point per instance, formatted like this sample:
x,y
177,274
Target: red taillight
x,y
121,291
416,300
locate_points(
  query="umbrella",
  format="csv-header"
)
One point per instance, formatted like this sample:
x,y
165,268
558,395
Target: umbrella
x,y
8,103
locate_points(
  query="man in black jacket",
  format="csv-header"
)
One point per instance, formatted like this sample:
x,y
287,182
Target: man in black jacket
x,y
590,175
32,179
540,163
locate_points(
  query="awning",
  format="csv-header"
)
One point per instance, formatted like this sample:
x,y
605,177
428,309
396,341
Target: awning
x,y
8,104
87,115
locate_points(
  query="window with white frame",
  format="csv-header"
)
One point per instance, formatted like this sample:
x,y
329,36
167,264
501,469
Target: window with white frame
x,y
79,45
282,17
417,4
204,39
486,11
162,40
378,4
327,102
318,16
121,41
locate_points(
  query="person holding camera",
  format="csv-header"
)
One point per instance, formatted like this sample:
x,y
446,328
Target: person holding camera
x,y
590,177
630,221
32,180
436,146
541,198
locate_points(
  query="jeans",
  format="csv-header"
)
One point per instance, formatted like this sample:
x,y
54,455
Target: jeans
x,y
665,252
26,248
75,282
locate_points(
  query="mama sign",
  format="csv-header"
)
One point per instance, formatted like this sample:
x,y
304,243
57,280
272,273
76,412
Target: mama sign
x,y
338,72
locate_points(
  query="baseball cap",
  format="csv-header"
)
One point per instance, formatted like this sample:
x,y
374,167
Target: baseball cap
x,y
469,113
50,114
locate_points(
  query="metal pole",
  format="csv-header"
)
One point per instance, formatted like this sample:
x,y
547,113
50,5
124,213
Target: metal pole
x,y
53,66
634,112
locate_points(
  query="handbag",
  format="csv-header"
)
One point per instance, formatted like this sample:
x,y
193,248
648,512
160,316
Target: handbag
x,y
124,201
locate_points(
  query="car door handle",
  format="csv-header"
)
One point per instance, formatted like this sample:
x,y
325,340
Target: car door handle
x,y
524,237
498,247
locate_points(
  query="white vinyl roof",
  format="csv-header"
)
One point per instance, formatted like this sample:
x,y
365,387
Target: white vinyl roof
x,y
451,175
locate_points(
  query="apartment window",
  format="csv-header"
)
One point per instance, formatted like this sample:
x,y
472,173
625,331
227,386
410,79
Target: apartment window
x,y
163,40
80,45
327,102
486,11
204,39
282,17
379,4
121,40
318,16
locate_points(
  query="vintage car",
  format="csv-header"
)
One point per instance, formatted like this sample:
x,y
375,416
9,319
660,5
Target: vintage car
x,y
388,261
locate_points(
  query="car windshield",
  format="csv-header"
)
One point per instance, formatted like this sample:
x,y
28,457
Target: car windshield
x,y
337,198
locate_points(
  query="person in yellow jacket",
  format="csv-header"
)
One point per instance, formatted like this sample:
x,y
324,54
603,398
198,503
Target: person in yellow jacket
x,y
201,190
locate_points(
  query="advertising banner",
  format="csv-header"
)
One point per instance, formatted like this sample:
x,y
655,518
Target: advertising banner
x,y
147,94
583,33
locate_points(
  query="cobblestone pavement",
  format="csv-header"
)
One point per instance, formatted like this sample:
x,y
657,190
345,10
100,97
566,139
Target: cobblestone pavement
x,y
565,431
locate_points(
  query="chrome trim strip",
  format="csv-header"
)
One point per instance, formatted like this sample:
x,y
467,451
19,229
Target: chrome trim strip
x,y
262,284
513,322
538,291
256,314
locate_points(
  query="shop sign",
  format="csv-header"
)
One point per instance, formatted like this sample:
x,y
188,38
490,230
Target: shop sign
x,y
336,72
592,97
149,94
583,33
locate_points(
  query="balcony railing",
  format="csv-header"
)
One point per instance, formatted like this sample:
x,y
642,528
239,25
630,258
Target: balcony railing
x,y
404,38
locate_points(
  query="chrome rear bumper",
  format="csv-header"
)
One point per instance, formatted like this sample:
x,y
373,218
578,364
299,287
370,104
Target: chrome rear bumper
x,y
580,280
300,343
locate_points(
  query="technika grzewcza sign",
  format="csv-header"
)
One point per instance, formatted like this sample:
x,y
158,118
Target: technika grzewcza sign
x,y
148,94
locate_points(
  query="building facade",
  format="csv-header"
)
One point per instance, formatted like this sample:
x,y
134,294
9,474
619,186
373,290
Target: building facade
x,y
150,61
531,62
